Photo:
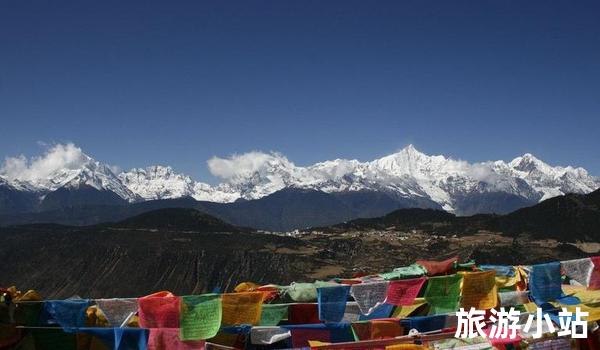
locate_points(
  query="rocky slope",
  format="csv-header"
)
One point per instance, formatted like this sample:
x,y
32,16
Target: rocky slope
x,y
151,252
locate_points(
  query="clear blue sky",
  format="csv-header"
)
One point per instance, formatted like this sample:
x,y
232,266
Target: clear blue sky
x,y
139,83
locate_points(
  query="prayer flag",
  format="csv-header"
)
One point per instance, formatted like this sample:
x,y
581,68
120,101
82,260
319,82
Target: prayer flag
x,y
272,314
159,312
579,270
117,310
479,290
369,295
404,292
545,284
443,293
200,316
242,308
332,302
438,267
69,314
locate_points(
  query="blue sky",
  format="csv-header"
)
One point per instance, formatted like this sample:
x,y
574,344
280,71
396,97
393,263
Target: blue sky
x,y
140,83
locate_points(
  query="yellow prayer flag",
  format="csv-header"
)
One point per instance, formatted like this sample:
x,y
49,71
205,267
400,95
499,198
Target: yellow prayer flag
x,y
242,308
479,290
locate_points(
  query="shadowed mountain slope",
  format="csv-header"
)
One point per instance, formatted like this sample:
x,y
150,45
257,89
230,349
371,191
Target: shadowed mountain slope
x,y
570,217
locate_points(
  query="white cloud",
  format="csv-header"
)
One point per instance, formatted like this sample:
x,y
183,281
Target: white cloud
x,y
243,165
60,156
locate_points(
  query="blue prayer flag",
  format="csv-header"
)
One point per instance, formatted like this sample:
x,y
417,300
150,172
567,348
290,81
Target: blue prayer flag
x,y
69,314
332,302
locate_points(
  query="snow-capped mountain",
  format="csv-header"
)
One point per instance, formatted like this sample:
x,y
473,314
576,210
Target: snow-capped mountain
x,y
157,182
408,174
80,170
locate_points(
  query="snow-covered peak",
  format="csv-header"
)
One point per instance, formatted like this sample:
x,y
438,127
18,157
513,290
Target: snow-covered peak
x,y
409,161
157,182
528,163
62,166
91,173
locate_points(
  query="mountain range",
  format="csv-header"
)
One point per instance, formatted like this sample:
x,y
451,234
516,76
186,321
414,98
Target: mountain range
x,y
273,193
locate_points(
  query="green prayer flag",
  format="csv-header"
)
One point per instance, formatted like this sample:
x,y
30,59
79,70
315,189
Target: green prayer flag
x,y
272,314
405,272
304,292
443,293
200,316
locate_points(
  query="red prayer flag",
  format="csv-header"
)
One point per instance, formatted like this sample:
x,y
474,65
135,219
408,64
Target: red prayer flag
x,y
157,312
438,267
404,292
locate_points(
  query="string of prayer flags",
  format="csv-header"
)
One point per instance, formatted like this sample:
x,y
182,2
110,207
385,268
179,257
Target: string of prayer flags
x,y
479,290
117,310
443,293
168,339
513,298
435,268
404,292
272,314
68,313
158,312
545,284
369,295
242,308
200,316
303,314
332,302
262,335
